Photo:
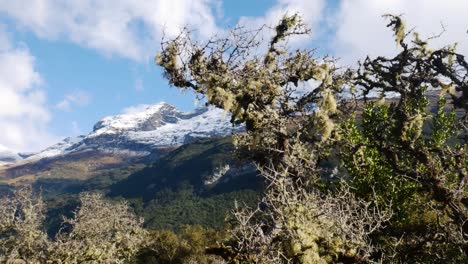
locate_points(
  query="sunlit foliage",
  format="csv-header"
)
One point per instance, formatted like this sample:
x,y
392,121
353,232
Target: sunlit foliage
x,y
402,166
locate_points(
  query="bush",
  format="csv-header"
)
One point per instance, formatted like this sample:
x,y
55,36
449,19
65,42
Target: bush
x,y
100,231
184,248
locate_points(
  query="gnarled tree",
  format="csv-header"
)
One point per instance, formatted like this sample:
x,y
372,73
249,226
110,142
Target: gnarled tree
x,y
288,134
397,156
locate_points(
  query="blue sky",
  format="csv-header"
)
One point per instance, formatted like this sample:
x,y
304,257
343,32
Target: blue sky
x,y
78,61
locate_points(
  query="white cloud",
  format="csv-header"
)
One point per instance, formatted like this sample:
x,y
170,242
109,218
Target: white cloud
x,y
135,109
76,98
23,114
133,28
127,28
360,28
311,12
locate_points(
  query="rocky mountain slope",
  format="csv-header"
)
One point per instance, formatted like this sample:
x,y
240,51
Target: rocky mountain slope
x,y
160,125
139,132
146,132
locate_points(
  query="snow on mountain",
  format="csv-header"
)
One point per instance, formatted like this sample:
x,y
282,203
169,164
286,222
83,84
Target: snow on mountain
x,y
61,148
142,129
8,156
159,125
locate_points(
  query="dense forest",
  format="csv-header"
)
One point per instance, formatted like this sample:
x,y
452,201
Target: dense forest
x,y
344,173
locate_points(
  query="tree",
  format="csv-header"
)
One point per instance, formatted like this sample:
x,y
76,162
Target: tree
x,y
21,234
100,232
291,134
415,145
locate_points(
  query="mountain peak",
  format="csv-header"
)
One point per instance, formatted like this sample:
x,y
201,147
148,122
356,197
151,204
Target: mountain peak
x,y
134,119
141,129
163,124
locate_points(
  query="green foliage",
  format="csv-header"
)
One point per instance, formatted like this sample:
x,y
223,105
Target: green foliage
x,y
171,209
373,178
100,231
173,192
168,193
400,159
442,125
420,173
186,247
285,138
400,195
193,164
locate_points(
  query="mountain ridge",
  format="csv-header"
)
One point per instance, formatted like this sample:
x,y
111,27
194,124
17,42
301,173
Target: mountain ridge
x,y
137,133
144,132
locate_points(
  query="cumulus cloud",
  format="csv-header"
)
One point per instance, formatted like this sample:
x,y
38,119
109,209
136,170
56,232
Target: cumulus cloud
x,y
360,28
135,109
133,28
127,28
23,112
76,98
356,28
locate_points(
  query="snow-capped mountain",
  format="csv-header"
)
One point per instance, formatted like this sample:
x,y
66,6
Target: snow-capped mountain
x,y
158,125
138,132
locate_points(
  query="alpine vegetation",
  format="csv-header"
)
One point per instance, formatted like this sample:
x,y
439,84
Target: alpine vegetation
x,y
400,191
365,165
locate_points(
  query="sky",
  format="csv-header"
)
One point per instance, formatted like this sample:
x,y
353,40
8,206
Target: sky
x,y
66,64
